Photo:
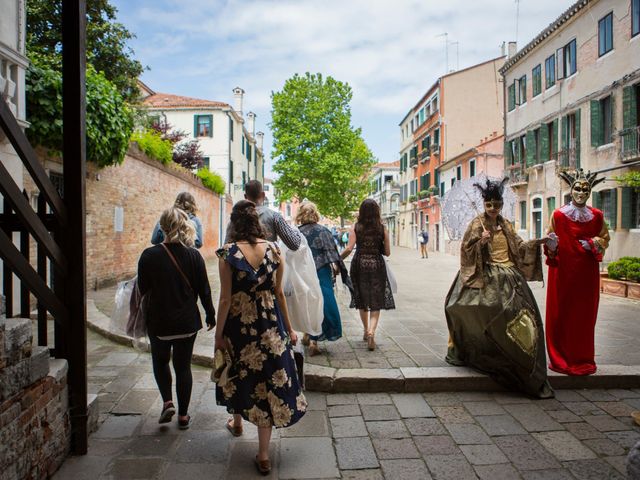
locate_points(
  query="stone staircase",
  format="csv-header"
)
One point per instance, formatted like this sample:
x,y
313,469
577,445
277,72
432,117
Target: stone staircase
x,y
35,431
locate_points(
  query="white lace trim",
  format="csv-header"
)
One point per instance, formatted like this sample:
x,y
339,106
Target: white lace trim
x,y
577,214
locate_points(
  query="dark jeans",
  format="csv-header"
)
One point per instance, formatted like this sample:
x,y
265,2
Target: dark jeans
x,y
160,356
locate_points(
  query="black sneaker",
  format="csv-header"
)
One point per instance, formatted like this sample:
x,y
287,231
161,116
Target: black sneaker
x,y
184,424
167,413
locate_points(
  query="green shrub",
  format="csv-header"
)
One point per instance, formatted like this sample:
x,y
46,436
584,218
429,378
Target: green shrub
x,y
424,194
625,268
151,143
212,181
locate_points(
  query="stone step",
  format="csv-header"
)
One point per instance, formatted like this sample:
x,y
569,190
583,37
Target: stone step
x,y
15,340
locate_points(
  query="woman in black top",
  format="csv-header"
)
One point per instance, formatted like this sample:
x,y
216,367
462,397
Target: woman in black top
x,y
173,318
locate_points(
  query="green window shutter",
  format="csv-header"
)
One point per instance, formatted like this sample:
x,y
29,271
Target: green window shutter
x,y
577,138
596,123
564,133
629,113
554,140
544,143
507,154
551,205
614,209
428,180
523,88
596,200
210,125
612,100
512,96
627,198
531,148
195,126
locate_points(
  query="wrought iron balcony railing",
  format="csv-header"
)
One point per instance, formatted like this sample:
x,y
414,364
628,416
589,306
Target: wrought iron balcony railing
x,y
630,144
516,174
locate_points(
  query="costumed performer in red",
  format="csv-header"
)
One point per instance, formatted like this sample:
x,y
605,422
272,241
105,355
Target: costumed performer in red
x,y
578,238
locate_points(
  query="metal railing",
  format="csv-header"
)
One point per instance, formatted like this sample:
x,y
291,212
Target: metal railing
x,y
568,158
630,144
516,174
413,162
425,154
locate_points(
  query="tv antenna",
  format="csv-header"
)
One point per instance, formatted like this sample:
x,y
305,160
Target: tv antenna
x,y
517,18
446,49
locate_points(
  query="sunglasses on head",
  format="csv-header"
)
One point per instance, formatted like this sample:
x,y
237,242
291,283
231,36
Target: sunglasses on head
x,y
493,204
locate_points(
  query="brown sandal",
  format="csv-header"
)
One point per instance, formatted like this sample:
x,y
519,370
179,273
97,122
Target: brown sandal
x,y
235,431
263,466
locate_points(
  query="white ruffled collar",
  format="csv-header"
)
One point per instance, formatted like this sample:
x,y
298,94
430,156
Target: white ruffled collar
x,y
577,214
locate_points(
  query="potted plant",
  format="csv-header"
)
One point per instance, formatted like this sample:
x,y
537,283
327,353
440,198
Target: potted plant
x,y
413,198
623,278
423,194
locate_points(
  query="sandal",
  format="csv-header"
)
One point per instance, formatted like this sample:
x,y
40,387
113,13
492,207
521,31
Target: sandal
x,y
235,431
167,413
371,343
365,337
306,340
263,466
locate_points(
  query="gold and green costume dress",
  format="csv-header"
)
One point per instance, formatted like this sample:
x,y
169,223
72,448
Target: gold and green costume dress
x,y
494,322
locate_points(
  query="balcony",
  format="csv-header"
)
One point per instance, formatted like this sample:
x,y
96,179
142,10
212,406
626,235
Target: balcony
x,y
568,159
517,174
630,144
413,162
425,154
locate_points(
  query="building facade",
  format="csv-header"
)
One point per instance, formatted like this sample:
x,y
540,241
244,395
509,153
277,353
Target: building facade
x,y
572,101
458,110
385,190
231,146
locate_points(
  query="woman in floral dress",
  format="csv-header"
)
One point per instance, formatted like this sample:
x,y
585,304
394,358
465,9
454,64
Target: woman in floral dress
x,y
253,326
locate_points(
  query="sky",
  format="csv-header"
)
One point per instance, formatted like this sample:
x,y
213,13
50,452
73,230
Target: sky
x,y
389,51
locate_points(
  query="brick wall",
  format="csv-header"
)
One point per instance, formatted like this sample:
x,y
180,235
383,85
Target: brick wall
x,y
140,188
34,420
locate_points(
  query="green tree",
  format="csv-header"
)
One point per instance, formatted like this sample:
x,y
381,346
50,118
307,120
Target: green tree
x,y
319,155
107,39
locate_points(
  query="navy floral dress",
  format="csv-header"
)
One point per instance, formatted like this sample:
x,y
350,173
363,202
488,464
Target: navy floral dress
x,y
264,386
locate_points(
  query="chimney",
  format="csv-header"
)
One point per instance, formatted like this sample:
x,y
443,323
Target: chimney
x,y
503,49
251,123
513,48
260,139
238,93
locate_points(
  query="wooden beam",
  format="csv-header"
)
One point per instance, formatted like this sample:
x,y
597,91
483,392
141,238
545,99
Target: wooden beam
x,y
74,60
12,258
29,159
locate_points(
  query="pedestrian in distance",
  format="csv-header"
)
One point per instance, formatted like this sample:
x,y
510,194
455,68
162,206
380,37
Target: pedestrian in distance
x,y
328,265
494,322
184,201
423,240
372,290
254,328
174,276
273,224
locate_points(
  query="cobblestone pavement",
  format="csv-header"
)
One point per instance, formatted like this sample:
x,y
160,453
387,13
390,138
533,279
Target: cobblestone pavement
x,y
415,334
581,434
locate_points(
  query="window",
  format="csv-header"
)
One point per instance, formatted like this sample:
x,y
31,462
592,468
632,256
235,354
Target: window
x,y
630,208
206,163
453,180
536,217
441,188
608,205
459,172
522,153
243,141
521,90
230,172
512,96
436,137
551,205
412,126
601,122
635,17
536,80
203,125
550,71
472,167
230,129
421,115
552,136
566,60
605,34
266,188
523,215
434,104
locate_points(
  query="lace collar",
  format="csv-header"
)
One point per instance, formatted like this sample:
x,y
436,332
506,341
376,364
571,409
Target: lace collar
x,y
577,214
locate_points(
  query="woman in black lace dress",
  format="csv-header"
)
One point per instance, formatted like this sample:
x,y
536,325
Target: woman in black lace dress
x,y
372,291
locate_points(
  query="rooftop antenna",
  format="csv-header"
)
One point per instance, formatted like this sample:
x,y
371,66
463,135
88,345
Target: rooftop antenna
x,y
446,49
457,44
517,18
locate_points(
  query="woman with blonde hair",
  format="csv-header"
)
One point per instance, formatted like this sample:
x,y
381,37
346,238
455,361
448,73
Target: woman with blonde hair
x,y
372,290
174,276
328,264
187,203
254,328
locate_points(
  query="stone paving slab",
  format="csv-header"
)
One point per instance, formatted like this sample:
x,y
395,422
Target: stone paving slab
x,y
412,339
470,435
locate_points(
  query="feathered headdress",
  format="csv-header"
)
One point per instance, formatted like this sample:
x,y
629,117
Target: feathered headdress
x,y
579,176
492,190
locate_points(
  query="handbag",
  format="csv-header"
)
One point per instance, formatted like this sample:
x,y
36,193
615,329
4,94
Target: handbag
x,y
137,322
221,367
391,277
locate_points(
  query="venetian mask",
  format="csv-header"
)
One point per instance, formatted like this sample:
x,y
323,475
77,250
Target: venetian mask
x,y
580,192
493,207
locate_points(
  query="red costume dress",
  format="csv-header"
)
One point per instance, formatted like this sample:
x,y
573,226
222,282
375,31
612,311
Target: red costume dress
x,y
573,293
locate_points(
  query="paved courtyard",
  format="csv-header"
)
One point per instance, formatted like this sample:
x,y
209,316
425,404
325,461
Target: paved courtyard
x,y
415,333
581,434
